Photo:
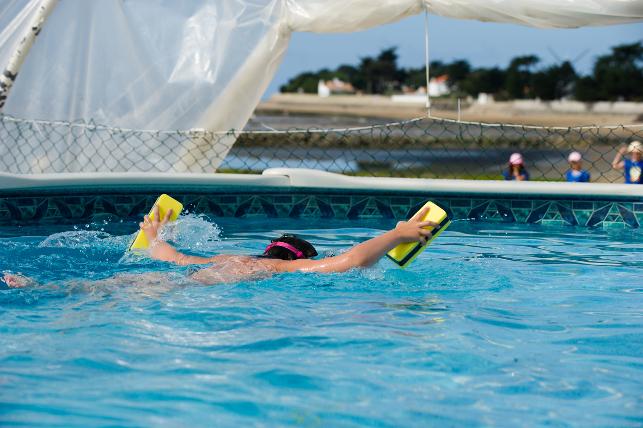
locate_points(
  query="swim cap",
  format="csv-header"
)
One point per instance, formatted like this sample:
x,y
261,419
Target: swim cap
x,y
289,247
515,159
298,254
574,157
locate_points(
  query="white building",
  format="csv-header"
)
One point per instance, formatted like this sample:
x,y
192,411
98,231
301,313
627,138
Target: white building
x,y
335,86
439,86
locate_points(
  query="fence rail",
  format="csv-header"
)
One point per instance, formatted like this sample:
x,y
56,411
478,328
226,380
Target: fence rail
x,y
425,148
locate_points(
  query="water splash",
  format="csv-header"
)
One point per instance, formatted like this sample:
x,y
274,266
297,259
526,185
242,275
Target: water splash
x,y
191,232
195,232
83,239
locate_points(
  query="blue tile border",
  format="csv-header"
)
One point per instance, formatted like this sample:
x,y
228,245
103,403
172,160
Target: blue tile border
x,y
86,206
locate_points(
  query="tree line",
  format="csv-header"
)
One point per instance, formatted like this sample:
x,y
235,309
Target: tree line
x,y
615,76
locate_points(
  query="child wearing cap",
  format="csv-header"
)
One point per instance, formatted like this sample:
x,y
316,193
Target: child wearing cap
x,y
576,173
633,166
516,169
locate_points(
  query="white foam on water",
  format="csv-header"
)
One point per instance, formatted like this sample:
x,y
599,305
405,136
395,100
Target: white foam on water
x,y
82,239
193,232
190,232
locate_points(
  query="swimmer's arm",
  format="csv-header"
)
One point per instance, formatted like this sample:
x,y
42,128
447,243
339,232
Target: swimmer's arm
x,y
369,252
361,255
160,250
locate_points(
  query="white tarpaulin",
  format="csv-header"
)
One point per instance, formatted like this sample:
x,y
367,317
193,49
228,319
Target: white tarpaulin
x,y
204,64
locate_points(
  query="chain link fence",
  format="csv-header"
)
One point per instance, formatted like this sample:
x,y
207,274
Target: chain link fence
x,y
422,148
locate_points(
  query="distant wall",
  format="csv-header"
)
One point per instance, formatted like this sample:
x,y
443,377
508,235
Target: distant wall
x,y
563,106
532,112
525,106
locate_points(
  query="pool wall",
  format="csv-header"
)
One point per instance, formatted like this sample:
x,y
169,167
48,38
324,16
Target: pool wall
x,y
299,193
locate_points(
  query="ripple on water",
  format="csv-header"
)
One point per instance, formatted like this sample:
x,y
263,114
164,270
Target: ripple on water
x,y
493,325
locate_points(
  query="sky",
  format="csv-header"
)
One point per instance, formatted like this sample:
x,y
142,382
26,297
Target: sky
x,y
480,43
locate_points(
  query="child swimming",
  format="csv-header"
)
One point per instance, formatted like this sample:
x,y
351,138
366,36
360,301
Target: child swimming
x,y
284,254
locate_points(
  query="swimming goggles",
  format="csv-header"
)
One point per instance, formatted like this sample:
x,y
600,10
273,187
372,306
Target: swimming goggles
x,y
298,254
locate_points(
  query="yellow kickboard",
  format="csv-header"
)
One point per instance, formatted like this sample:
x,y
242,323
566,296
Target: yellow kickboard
x,y
165,203
404,254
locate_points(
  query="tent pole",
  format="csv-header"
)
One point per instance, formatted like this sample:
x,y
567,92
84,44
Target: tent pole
x,y
8,76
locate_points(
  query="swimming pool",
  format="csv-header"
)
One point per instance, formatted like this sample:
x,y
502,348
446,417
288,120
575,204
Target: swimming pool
x,y
494,325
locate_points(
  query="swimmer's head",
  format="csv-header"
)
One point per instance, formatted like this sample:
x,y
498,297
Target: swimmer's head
x,y
289,247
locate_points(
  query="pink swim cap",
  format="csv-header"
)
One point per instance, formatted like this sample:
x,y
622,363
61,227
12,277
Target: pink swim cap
x,y
574,157
515,159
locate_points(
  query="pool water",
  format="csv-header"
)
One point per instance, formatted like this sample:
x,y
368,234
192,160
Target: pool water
x,y
493,325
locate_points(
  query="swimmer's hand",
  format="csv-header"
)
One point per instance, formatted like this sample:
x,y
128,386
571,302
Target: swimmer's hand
x,y
152,227
162,250
414,229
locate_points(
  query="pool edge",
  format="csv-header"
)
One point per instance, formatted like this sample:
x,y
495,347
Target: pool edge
x,y
294,193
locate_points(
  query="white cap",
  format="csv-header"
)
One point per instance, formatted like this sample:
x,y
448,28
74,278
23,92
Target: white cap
x,y
574,157
635,146
515,159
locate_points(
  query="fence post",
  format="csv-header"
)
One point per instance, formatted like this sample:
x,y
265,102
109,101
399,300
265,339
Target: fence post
x,y
10,73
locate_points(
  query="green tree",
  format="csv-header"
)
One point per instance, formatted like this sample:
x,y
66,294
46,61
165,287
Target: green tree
x,y
585,89
365,78
554,82
304,82
457,71
518,80
619,75
436,68
346,72
386,72
378,75
416,77
413,77
487,80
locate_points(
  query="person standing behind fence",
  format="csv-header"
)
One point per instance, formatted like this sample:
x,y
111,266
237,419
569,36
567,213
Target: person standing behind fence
x,y
516,169
576,173
633,166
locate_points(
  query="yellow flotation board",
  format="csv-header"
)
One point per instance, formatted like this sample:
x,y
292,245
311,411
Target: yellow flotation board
x,y
404,254
165,203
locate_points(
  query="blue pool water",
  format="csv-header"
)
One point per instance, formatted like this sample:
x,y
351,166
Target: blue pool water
x,y
494,325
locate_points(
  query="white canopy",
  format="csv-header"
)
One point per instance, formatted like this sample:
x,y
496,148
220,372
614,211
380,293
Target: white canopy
x,y
204,64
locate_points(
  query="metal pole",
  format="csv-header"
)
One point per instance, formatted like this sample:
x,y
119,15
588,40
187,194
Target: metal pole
x,y
426,58
10,73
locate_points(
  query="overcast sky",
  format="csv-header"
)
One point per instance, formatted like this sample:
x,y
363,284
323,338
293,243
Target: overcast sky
x,y
482,44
